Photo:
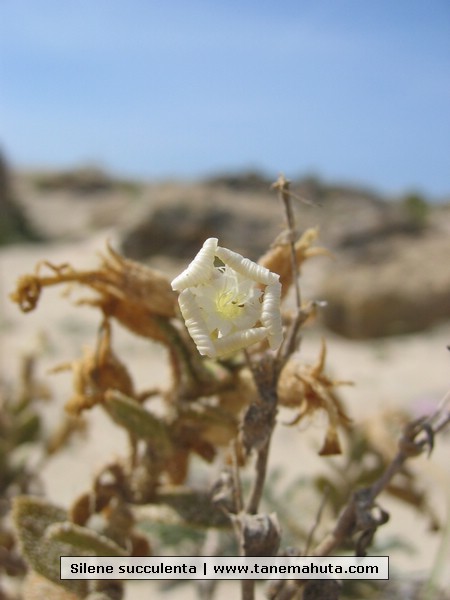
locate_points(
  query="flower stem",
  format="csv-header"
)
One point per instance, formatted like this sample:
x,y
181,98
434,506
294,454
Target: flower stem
x,y
282,185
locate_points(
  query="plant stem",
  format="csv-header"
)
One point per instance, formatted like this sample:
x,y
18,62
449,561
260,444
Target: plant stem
x,y
247,589
258,485
282,185
411,444
237,488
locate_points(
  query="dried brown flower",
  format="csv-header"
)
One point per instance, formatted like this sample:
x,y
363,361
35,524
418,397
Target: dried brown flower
x,y
309,389
95,373
138,297
277,259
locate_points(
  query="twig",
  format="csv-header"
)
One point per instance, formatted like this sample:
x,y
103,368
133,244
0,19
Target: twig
x,y
442,424
247,589
291,342
316,523
344,526
282,185
409,446
440,408
237,488
264,375
441,416
211,547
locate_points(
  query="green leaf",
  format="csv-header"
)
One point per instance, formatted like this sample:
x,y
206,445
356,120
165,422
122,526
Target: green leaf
x,y
139,422
84,541
32,516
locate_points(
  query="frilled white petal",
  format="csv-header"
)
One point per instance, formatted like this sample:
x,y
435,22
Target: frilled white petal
x,y
239,340
200,269
246,267
195,323
271,314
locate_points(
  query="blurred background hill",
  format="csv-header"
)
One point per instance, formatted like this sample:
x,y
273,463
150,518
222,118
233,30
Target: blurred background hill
x,y
389,275
168,123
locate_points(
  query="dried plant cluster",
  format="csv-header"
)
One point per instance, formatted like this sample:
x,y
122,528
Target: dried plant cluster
x,y
234,358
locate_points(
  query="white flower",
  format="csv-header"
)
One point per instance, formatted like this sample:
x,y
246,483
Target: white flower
x,y
229,307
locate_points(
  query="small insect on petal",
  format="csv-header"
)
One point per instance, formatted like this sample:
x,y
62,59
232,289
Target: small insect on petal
x,y
230,307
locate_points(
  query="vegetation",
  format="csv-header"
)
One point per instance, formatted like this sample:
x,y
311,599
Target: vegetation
x,y
14,226
220,406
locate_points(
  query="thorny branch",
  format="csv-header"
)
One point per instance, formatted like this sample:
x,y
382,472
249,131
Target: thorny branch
x,y
358,516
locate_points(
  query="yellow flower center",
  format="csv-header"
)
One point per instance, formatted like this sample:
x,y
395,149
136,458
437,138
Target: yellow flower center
x,y
228,304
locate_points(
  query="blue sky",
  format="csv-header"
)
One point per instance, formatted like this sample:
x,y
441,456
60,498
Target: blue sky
x,y
351,90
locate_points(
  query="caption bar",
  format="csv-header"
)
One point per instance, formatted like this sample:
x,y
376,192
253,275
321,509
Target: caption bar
x,y
221,567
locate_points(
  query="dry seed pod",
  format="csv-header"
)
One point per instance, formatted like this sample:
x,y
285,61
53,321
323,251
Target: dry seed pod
x,y
261,534
257,426
278,258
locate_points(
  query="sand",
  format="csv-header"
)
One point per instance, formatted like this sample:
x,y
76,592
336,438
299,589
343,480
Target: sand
x,y
409,372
